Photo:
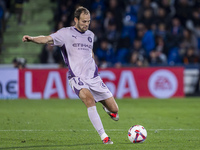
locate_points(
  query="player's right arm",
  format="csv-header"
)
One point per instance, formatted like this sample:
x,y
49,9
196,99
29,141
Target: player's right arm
x,y
38,39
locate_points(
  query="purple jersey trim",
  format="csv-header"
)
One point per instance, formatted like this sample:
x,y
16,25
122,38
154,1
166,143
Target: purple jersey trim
x,y
65,57
96,72
76,91
79,31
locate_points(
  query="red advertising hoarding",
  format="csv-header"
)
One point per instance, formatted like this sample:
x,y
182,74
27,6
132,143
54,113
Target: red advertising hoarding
x,y
126,82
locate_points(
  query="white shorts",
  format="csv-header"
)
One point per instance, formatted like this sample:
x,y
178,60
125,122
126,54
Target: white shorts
x,y
96,86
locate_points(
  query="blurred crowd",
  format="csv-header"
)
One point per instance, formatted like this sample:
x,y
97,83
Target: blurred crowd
x,y
139,32
127,32
8,7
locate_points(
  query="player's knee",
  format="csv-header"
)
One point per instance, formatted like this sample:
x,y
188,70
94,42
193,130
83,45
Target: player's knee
x,y
83,94
90,102
87,98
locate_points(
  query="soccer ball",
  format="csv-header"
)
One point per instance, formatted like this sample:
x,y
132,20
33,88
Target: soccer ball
x,y
137,134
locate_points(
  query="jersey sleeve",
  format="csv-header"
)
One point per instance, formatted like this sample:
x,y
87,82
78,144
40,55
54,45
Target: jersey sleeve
x,y
58,39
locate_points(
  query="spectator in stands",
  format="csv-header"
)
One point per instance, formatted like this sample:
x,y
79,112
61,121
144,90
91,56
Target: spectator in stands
x,y
19,63
122,52
111,24
64,20
190,57
15,63
197,35
183,11
156,58
161,31
84,3
137,54
137,60
194,20
111,33
161,47
22,63
117,9
168,6
19,10
148,39
133,6
162,17
2,14
129,21
60,25
147,18
146,4
95,26
8,4
188,40
50,55
108,18
105,54
137,47
175,33
1,25
162,26
98,7
158,55
64,13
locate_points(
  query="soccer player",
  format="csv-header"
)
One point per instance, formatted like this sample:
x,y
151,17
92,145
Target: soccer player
x,y
76,44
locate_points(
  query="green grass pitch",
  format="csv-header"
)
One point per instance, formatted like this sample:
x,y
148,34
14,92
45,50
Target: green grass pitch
x,y
171,124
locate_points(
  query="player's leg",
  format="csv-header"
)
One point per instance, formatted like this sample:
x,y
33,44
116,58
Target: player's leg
x,y
102,94
87,98
111,107
110,104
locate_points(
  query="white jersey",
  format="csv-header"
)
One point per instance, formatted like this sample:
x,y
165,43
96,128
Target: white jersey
x,y
76,49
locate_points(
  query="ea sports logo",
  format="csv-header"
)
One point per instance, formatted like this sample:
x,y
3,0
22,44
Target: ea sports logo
x,y
162,84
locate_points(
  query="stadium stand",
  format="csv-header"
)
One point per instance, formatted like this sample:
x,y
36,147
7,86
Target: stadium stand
x,y
138,33
165,31
36,19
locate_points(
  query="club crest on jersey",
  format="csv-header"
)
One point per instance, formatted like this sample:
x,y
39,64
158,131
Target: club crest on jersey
x,y
90,39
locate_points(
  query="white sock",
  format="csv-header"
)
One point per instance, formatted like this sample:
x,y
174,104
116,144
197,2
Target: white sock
x,y
103,136
96,121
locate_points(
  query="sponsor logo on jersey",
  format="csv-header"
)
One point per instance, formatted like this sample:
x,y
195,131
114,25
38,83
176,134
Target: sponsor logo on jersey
x,y
82,45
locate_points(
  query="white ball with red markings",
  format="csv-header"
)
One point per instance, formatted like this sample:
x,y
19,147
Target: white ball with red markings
x,y
137,134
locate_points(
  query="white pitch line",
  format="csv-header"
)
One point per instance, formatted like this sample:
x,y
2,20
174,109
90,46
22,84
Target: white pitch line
x,y
86,130
175,129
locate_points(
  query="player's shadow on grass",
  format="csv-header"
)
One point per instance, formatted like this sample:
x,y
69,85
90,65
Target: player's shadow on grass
x,y
46,146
